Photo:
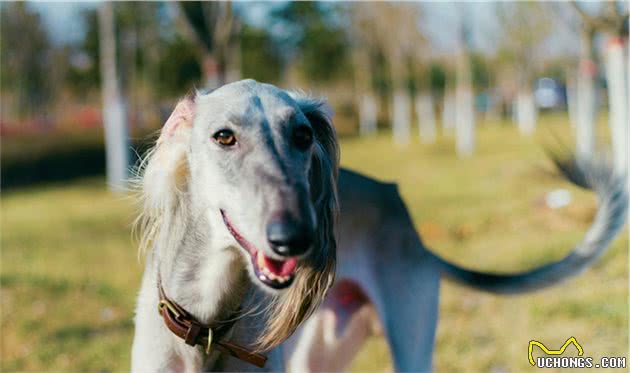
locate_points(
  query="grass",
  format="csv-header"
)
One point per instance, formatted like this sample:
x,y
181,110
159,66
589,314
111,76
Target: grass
x,y
70,271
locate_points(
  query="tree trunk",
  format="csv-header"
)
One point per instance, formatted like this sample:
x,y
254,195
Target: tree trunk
x,y
448,113
464,109
114,108
400,105
426,118
368,112
401,117
464,121
464,99
586,95
585,109
526,112
572,102
366,101
211,70
617,100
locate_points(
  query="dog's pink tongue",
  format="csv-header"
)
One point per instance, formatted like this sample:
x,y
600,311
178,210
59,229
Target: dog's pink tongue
x,y
281,267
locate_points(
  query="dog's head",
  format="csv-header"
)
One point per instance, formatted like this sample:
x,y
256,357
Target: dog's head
x,y
260,164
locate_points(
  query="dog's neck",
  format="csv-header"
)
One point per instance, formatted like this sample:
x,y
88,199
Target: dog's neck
x,y
208,281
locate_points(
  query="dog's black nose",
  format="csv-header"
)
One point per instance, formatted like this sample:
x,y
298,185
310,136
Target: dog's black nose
x,y
288,236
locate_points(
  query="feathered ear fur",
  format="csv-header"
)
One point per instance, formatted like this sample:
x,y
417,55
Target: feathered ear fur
x,y
164,174
316,274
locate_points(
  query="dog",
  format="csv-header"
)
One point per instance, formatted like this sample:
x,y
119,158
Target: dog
x,y
257,243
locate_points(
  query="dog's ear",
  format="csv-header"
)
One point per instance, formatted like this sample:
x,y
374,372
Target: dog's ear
x,y
324,171
316,273
180,122
164,172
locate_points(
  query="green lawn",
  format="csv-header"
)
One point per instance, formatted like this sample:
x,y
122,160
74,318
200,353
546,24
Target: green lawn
x,y
70,271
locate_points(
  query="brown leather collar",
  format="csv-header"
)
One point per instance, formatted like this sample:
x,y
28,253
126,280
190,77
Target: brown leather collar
x,y
185,326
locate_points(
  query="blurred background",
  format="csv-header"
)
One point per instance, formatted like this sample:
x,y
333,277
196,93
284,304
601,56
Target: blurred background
x,y
451,101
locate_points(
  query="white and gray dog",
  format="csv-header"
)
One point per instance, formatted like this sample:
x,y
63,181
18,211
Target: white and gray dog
x,y
249,221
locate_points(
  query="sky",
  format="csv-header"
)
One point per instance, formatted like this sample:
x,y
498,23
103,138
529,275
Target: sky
x,y
65,24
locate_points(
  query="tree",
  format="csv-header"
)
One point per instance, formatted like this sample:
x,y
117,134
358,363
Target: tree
x,y
114,108
429,83
364,52
464,96
261,57
613,21
24,50
525,25
212,28
400,40
586,94
314,41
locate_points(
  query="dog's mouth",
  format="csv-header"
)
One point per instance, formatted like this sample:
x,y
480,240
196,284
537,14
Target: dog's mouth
x,y
274,273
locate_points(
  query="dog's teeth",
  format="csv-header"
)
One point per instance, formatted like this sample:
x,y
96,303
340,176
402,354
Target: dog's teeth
x,y
260,258
268,274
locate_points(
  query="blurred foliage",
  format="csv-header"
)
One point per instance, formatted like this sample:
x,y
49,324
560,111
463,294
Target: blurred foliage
x,y
178,68
25,55
437,78
84,71
381,77
556,69
257,45
201,16
525,25
314,39
481,72
160,59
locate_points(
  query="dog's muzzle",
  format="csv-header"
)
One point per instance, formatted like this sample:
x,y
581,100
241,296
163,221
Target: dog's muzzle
x,y
274,273
288,236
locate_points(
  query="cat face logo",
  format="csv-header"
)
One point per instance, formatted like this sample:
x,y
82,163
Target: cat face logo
x,y
560,351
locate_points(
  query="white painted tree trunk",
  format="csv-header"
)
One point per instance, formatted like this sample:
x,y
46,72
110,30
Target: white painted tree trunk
x,y
114,108
464,121
617,101
526,112
368,114
585,111
464,97
572,102
448,114
426,118
401,117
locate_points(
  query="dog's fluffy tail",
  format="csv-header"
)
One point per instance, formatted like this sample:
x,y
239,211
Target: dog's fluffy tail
x,y
611,214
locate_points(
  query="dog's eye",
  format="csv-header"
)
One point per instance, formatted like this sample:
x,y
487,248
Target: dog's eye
x,y
225,137
303,137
